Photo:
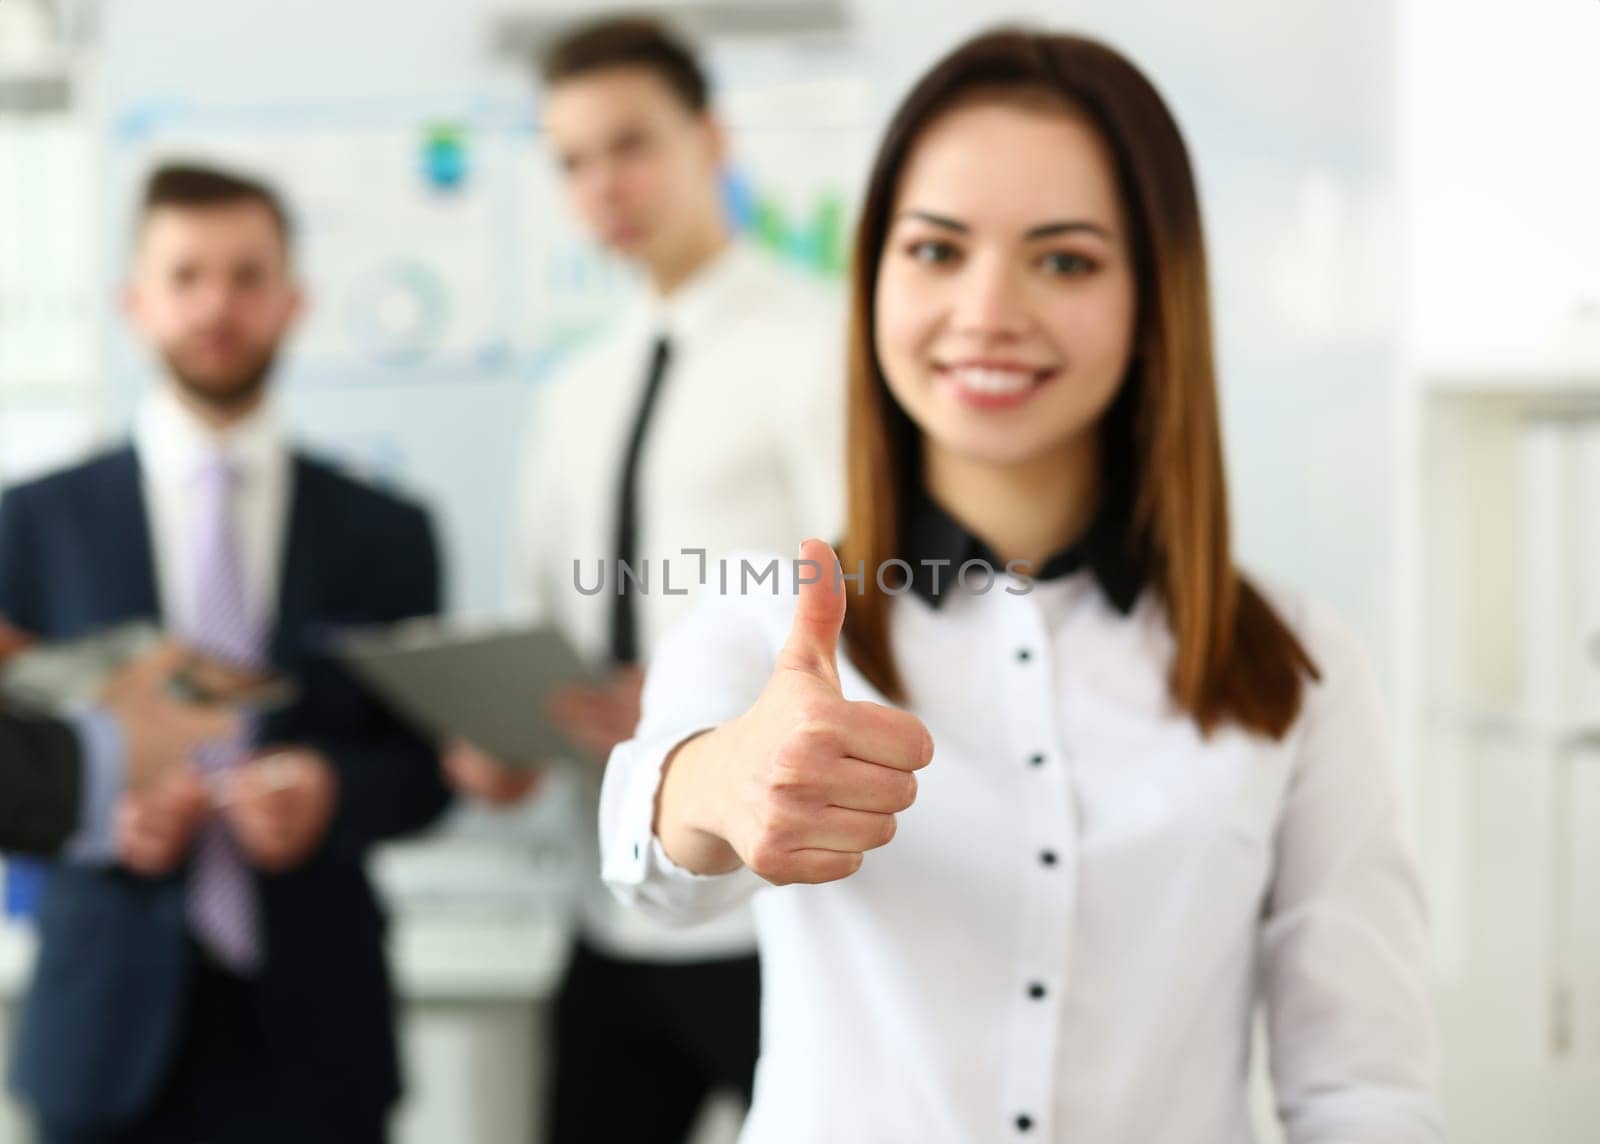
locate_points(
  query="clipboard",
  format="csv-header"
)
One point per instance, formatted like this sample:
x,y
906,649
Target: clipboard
x,y
488,686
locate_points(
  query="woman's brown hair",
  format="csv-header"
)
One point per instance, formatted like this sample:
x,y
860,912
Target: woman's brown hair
x,y
1236,660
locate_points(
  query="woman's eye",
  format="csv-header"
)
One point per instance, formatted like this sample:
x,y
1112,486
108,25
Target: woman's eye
x,y
1067,264
932,251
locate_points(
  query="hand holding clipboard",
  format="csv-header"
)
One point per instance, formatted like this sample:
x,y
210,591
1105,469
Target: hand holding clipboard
x,y
493,688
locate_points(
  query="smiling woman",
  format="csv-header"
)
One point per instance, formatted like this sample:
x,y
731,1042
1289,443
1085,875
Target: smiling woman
x,y
1032,338
1109,809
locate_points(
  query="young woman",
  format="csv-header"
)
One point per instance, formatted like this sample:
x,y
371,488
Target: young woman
x,y
1158,790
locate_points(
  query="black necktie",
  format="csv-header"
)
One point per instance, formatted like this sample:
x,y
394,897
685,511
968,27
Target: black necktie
x,y
624,622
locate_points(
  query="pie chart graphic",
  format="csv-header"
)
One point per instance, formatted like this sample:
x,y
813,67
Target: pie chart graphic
x,y
398,314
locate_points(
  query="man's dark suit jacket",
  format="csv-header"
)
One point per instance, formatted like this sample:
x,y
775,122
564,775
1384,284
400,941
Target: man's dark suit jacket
x,y
39,776
103,1017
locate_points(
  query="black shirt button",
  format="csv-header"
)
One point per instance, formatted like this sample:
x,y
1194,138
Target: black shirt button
x,y
1023,655
1036,990
1036,760
636,850
1048,857
1024,1122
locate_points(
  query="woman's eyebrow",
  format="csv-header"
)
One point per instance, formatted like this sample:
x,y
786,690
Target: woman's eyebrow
x,y
936,220
1066,226
1043,230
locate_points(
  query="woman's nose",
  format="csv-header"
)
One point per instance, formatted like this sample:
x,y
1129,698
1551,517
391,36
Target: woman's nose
x,y
989,299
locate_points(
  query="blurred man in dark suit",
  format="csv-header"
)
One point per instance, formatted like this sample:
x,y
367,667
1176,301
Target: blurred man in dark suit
x,y
211,968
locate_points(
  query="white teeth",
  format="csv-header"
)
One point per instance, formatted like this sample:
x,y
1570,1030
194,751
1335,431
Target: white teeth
x,y
991,381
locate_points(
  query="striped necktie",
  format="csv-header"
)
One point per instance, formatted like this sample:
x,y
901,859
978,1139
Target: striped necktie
x,y
224,913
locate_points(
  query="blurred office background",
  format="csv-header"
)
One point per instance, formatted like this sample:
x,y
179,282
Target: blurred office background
x,y
1402,207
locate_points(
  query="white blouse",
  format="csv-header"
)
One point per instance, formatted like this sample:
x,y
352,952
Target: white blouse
x,y
1066,937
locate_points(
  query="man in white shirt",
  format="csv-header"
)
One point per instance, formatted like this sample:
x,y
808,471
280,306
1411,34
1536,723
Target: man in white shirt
x,y
709,418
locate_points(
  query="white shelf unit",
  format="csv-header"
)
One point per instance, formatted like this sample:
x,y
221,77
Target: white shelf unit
x,y
1507,787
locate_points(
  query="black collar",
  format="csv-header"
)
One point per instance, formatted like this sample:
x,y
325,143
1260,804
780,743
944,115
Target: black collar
x,y
936,545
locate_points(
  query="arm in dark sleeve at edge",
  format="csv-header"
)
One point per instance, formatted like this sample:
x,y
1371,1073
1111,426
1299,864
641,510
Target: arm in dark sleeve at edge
x,y
40,777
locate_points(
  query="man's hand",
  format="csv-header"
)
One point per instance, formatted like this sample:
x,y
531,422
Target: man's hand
x,y
12,640
153,828
479,775
596,719
279,806
805,782
160,732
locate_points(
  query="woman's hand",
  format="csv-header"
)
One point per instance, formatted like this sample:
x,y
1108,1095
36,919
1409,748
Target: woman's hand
x,y
800,786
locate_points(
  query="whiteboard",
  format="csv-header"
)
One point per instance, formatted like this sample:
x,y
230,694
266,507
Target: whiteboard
x,y
446,278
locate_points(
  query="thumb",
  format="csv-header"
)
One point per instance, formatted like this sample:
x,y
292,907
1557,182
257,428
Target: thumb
x,y
157,664
813,643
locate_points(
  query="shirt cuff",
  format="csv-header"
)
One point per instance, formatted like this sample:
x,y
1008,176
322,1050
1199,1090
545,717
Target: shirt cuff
x,y
635,864
102,747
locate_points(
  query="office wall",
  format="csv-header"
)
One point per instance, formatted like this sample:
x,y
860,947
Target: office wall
x,y
1289,113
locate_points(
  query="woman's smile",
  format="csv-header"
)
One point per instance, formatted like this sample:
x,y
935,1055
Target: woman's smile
x,y
989,383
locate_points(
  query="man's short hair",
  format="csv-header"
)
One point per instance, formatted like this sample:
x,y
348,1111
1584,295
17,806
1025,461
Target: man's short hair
x,y
623,42
192,185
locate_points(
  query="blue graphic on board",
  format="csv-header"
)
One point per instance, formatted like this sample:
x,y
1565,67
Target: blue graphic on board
x,y
444,157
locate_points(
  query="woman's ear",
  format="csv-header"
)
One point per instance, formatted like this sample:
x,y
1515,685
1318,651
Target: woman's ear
x,y
716,138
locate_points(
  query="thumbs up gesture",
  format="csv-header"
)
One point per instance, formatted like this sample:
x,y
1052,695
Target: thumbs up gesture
x,y
802,784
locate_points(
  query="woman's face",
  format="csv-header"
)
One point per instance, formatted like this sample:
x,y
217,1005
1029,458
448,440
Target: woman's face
x,y
1005,296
